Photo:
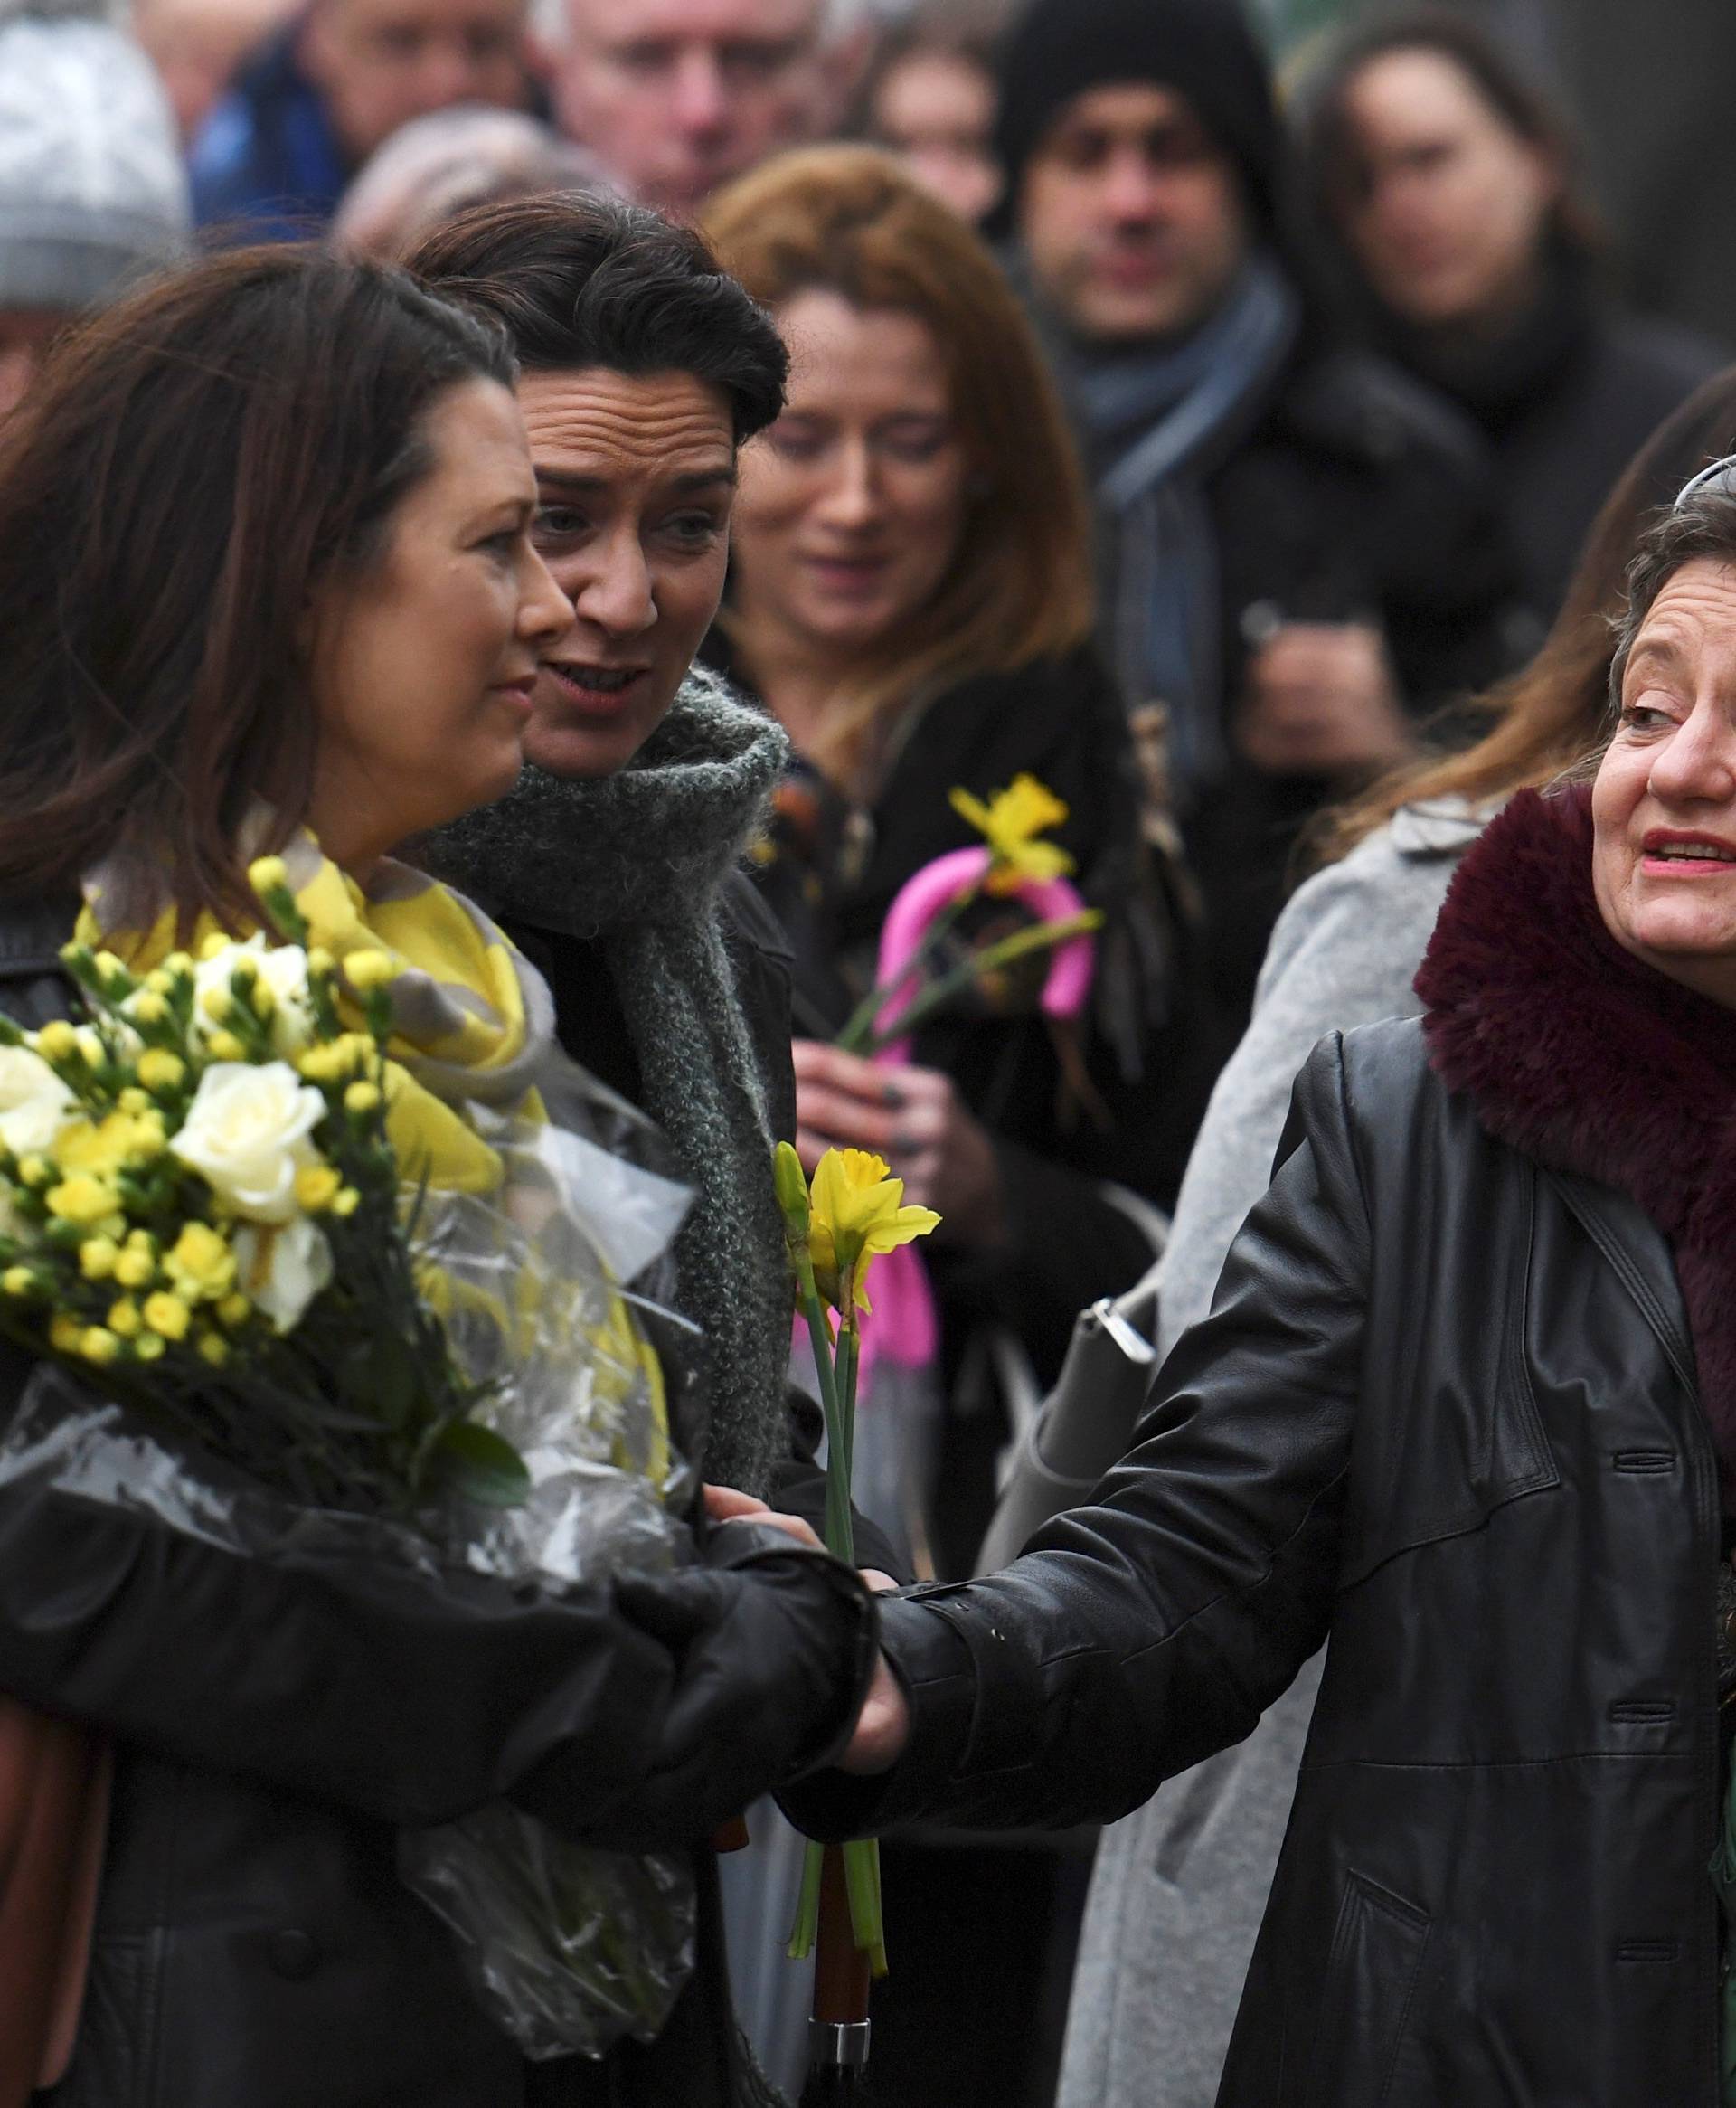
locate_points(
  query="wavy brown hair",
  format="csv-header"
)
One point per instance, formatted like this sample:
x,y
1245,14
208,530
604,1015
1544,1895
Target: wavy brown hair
x,y
848,219
189,468
1547,718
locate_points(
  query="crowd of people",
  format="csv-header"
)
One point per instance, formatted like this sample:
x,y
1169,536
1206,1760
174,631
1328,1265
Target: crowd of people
x,y
656,480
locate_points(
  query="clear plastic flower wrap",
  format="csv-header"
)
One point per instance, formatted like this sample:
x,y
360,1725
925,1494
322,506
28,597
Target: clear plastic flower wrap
x,y
549,1289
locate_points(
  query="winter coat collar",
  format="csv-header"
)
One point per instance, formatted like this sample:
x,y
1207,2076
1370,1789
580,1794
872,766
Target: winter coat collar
x,y
1589,1060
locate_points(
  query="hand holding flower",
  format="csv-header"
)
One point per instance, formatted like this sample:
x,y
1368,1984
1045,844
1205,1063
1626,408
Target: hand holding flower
x,y
913,1117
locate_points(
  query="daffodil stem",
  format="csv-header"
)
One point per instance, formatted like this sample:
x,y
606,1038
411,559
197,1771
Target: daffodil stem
x,y
862,1878
807,1905
1039,937
862,1028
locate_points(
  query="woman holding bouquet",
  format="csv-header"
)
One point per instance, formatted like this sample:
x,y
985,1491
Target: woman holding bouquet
x,y
268,586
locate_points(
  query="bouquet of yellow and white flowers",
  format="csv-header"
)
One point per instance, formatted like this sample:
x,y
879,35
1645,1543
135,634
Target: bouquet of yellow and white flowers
x,y
271,1308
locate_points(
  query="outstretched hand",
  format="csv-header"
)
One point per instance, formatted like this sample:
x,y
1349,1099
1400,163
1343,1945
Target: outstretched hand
x,y
884,1724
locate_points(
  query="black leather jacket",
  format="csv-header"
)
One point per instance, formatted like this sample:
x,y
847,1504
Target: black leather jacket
x,y
1444,1413
276,1723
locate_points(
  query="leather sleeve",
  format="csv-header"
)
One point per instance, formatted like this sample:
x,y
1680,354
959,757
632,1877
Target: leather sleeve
x,y
1145,1632
337,1673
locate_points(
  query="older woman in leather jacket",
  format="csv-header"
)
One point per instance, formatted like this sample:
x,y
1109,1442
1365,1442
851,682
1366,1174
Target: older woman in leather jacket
x,y
1465,1407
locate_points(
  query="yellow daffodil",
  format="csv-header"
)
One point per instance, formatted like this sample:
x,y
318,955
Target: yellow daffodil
x,y
124,1321
200,1263
858,1213
1009,823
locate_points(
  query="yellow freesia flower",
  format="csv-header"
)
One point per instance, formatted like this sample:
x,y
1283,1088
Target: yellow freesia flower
x,y
104,1146
167,1316
83,1200
858,1213
200,1263
1009,823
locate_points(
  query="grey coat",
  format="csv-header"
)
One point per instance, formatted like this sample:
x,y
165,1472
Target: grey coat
x,y
1180,1884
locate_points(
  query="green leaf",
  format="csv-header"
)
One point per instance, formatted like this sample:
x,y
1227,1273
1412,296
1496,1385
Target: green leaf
x,y
482,1466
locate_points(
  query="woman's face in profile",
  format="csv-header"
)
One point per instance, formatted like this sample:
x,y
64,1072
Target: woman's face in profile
x,y
422,667
1664,806
853,505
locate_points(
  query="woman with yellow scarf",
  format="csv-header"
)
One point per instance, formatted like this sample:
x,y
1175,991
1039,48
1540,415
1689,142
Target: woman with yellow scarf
x,y
267,585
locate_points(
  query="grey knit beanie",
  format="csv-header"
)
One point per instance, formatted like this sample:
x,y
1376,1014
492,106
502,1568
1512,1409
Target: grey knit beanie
x,y
91,187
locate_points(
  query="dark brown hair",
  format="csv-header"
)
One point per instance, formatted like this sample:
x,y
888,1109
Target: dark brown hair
x,y
579,280
1547,718
1330,153
190,466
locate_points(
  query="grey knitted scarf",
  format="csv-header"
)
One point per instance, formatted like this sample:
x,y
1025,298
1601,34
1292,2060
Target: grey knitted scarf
x,y
635,860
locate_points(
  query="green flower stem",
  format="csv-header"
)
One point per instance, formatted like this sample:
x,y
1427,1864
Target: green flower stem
x,y
807,1905
862,1879
859,1032
1040,937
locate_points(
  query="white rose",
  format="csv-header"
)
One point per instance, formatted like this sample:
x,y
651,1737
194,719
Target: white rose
x,y
35,1104
246,1133
283,970
283,1270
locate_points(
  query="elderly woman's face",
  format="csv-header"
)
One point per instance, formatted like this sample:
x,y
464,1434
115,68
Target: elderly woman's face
x,y
1663,807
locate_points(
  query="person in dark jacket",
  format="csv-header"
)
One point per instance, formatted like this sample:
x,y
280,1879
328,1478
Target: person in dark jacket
x,y
1301,555
1465,1408
1449,182
617,862
909,597
318,95
277,1720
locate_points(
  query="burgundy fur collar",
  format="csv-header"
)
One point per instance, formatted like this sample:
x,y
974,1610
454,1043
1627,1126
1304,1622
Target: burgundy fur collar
x,y
1587,1060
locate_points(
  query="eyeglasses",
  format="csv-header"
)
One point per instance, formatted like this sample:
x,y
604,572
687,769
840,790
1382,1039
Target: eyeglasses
x,y
1717,472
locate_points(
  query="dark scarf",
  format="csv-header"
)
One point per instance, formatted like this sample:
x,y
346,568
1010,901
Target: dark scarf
x,y
1496,379
1157,420
635,860
1590,1062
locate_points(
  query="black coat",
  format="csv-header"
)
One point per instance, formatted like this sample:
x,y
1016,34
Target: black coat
x,y
275,1722
1445,1409
1154,1038
1565,400
1357,495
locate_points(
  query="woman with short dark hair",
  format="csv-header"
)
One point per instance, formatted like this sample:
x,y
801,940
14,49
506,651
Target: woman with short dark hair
x,y
1449,181
267,579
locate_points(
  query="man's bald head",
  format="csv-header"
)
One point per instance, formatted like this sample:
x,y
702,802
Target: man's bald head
x,y
677,97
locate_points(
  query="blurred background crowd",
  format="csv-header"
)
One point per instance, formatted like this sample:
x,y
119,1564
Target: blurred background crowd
x,y
1201,410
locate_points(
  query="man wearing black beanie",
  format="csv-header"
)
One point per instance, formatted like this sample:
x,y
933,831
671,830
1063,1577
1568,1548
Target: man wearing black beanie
x,y
1299,548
